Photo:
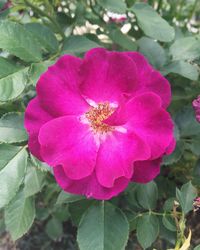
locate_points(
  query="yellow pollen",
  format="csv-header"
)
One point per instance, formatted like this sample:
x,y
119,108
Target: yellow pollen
x,y
97,115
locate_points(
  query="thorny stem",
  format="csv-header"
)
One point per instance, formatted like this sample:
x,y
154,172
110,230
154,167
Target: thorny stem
x,y
43,13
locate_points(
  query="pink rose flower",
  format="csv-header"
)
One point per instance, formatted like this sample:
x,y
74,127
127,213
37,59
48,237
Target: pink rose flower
x,y
196,106
101,122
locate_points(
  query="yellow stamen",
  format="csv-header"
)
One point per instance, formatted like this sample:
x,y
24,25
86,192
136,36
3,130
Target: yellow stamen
x,y
96,116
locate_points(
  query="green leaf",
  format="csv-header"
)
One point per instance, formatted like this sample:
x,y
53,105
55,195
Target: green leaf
x,y
78,45
19,215
61,213
147,230
132,219
152,23
187,48
116,6
12,128
54,228
33,182
12,85
123,40
42,213
186,196
169,223
64,197
197,247
176,155
12,175
7,67
182,68
131,196
7,152
194,145
153,51
77,209
19,42
103,227
185,119
36,70
166,234
44,36
42,166
147,195
168,205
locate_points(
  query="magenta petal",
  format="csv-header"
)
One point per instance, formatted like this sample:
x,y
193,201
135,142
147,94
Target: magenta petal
x,y
141,106
89,186
67,142
151,79
35,117
196,107
151,122
58,89
145,171
116,156
144,115
106,75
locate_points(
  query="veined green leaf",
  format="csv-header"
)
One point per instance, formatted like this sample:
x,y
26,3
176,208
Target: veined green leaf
x,y
78,45
19,215
103,227
12,174
44,36
19,42
147,230
12,85
152,23
12,128
7,67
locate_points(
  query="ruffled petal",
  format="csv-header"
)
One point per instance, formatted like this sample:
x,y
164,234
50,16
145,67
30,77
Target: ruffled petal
x,y
35,117
67,142
58,88
150,79
145,171
106,75
144,115
116,156
89,186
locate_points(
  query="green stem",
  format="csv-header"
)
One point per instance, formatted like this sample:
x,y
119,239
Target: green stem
x,y
159,214
43,13
159,5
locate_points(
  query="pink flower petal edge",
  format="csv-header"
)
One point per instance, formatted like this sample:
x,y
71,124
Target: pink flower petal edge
x,y
196,106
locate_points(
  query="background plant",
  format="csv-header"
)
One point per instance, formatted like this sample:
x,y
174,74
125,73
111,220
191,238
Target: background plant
x,y
33,34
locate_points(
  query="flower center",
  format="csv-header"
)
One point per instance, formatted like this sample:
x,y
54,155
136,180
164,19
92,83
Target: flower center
x,y
96,116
